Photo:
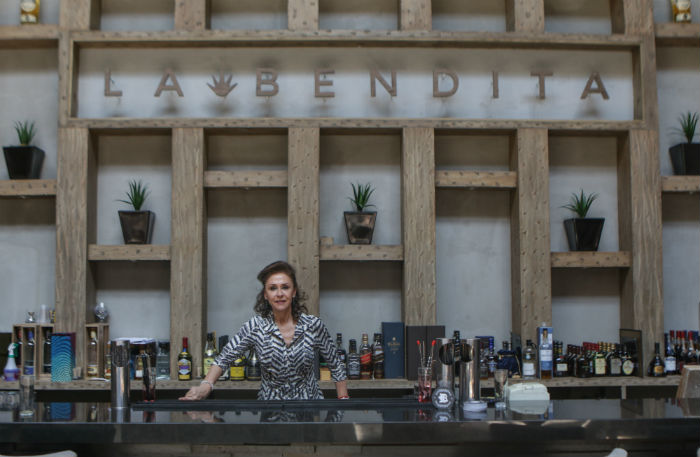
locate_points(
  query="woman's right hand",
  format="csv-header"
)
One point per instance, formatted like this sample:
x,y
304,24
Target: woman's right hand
x,y
199,392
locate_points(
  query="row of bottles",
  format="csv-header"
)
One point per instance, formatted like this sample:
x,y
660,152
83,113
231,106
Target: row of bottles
x,y
243,368
25,351
368,362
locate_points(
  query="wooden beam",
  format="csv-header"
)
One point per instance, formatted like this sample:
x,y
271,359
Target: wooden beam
x,y
192,15
68,82
476,179
525,16
680,184
531,275
80,14
303,211
188,247
362,252
302,15
28,188
418,214
130,252
416,15
674,34
244,179
590,259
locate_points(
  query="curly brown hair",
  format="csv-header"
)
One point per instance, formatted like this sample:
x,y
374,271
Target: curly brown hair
x,y
262,307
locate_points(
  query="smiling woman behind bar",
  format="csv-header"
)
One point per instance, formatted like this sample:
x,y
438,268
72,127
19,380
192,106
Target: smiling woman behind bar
x,y
284,338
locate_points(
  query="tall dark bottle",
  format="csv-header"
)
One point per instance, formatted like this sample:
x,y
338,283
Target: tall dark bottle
x,y
46,368
378,357
656,366
353,361
340,352
365,358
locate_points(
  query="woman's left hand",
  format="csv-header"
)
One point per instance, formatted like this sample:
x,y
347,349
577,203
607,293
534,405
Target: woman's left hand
x,y
197,393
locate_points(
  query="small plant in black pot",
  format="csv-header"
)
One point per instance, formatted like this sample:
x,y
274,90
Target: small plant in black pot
x,y
24,161
137,225
583,233
685,157
360,223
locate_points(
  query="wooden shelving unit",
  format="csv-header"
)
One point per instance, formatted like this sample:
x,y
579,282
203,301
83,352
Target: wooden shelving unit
x,y
678,184
21,188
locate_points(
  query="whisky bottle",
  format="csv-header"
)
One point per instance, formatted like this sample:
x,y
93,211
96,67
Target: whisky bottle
x,y
378,357
210,353
628,365
237,371
46,368
29,11
184,362
599,364
108,361
92,370
138,366
669,358
561,366
529,361
340,351
253,371
656,366
353,361
615,362
583,367
28,367
365,358
546,356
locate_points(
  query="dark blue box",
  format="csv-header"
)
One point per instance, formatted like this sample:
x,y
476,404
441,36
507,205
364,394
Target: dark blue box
x,y
394,349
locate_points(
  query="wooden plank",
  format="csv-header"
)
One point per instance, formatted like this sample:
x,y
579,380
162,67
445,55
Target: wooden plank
x,y
418,221
132,252
68,80
675,34
302,15
531,276
361,252
28,188
245,179
188,313
680,184
467,178
525,16
192,14
581,259
80,14
29,37
416,15
303,211
639,208
73,291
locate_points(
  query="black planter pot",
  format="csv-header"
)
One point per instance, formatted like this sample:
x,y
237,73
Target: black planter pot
x,y
137,226
360,226
685,158
584,233
23,162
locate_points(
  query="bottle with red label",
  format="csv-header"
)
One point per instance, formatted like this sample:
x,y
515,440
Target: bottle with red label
x,y
365,358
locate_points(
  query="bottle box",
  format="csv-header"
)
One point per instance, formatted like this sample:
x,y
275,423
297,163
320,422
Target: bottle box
x,y
394,352
425,334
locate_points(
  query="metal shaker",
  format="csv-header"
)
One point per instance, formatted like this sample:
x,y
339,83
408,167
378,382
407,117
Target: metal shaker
x,y
469,385
444,371
119,350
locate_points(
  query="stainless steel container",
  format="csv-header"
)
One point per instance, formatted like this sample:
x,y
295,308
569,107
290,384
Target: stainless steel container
x,y
444,369
469,386
120,373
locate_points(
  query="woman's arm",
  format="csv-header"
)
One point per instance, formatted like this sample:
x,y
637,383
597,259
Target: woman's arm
x,y
341,388
205,388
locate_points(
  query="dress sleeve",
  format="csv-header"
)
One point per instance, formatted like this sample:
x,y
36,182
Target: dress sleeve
x,y
327,348
237,346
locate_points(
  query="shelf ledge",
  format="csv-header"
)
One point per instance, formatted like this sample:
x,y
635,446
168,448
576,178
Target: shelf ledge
x,y
20,188
476,179
132,252
29,36
677,184
591,259
361,252
245,179
673,34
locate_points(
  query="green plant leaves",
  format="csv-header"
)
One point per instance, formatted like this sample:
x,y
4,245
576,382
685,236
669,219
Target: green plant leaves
x,y
689,122
361,194
136,194
581,203
25,132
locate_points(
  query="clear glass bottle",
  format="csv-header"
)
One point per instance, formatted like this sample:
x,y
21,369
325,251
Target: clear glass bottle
x,y
210,353
546,356
456,337
108,361
163,360
29,347
92,371
491,359
365,358
378,357
46,368
529,361
669,358
353,361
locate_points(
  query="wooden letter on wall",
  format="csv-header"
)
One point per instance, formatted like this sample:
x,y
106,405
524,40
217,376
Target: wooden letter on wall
x,y
108,85
541,75
374,75
326,82
599,89
269,80
163,84
445,93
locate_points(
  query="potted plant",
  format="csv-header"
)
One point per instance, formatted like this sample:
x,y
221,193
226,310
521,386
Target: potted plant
x,y
360,223
583,232
24,161
137,225
685,157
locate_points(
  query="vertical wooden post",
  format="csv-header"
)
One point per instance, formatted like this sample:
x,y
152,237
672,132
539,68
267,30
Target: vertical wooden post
x,y
79,14
531,274
188,312
418,210
416,15
75,209
303,211
302,14
525,16
192,14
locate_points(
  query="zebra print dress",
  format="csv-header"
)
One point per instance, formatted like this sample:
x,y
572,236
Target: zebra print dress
x,y
287,371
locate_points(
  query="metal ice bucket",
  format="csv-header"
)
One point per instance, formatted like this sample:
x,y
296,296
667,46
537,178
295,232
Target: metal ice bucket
x,y
120,373
444,369
469,386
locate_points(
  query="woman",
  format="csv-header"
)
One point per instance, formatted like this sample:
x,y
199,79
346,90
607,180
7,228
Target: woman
x,y
284,338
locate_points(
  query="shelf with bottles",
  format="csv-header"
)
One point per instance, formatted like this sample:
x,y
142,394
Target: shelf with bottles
x,y
680,184
39,334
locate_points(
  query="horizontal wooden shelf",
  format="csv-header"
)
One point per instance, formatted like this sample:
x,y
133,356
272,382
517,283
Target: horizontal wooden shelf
x,y
237,179
133,252
28,188
29,36
590,259
361,252
674,34
482,179
680,183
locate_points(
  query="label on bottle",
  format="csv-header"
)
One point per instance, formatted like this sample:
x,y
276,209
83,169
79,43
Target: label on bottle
x,y
28,369
658,370
11,374
599,366
562,367
528,368
670,364
627,367
353,368
206,364
184,369
238,370
615,367
92,371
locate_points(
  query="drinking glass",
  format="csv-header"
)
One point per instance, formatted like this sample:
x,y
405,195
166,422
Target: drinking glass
x,y
101,311
500,381
26,395
425,384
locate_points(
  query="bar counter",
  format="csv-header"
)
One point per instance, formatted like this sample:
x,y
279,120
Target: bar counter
x,y
377,426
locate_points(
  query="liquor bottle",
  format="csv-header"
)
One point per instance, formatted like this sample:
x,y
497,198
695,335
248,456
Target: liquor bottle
x,y
599,362
223,341
340,351
628,364
615,362
692,358
92,371
561,365
365,358
138,365
378,357
571,355
46,368
545,356
680,362
491,359
28,367
483,363
210,353
353,361
184,362
253,370
529,361
656,366
18,349
583,366
237,371
163,360
108,361
29,11
669,358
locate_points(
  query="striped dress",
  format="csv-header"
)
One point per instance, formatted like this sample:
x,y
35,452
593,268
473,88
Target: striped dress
x,y
287,371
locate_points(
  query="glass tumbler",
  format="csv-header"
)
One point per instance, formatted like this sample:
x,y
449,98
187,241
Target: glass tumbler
x,y
425,384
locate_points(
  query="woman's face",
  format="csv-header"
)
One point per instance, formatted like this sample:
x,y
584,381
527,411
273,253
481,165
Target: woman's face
x,y
279,291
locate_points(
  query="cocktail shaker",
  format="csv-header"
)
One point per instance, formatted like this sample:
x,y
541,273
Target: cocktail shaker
x,y
120,373
469,386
